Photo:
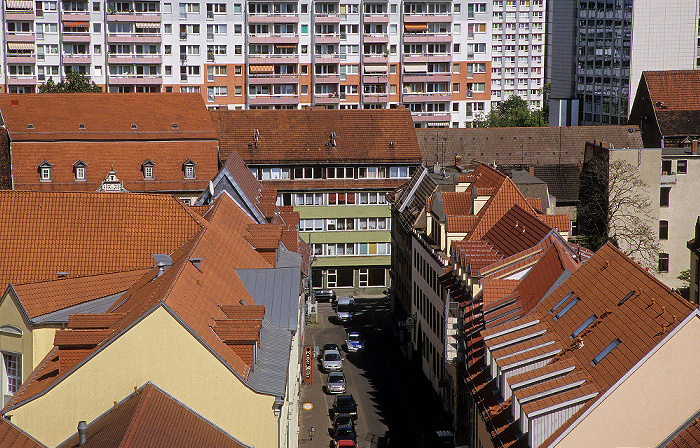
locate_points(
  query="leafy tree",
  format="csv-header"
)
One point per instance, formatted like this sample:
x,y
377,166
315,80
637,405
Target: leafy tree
x,y
512,112
684,276
74,82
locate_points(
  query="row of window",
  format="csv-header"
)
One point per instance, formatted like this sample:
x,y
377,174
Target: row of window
x,y
433,316
345,277
344,172
335,224
350,249
80,170
368,198
426,271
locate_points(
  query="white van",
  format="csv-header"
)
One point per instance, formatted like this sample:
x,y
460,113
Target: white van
x,y
345,309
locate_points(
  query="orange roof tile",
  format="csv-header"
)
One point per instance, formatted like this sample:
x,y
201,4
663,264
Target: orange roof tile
x,y
149,418
13,437
154,116
517,230
456,204
300,136
87,233
562,223
459,224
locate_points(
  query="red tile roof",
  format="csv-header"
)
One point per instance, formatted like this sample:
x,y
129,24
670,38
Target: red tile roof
x,y
57,116
87,233
300,136
689,437
518,229
125,157
561,223
44,297
459,224
679,90
152,418
458,204
13,437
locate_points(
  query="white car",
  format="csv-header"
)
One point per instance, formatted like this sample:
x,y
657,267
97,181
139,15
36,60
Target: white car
x,y
335,383
332,361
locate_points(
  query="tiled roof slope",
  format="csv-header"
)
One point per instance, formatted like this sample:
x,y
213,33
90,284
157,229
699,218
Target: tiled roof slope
x,y
675,98
562,180
152,418
125,157
689,437
87,233
521,146
57,116
13,437
300,136
195,294
516,231
43,297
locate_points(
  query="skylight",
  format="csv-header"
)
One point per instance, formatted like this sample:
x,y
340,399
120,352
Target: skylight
x,y
583,326
605,352
629,294
568,306
561,302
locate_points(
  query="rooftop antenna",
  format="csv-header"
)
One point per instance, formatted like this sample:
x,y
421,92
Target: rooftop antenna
x,y
256,137
332,139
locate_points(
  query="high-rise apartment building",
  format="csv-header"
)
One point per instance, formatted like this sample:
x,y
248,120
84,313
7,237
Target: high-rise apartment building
x,y
445,61
613,41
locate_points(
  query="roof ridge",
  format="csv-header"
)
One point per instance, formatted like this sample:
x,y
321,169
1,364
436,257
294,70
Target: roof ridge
x,y
130,432
35,282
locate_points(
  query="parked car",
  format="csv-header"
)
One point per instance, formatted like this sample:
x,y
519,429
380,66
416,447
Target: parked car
x,y
325,295
354,341
345,404
346,432
330,346
332,361
335,383
344,443
345,309
342,420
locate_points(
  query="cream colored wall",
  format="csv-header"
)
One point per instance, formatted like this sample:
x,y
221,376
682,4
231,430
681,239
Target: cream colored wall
x,y
10,314
43,343
160,350
655,400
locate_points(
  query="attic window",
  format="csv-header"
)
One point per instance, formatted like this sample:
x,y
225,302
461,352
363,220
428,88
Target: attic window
x,y
188,169
133,126
174,125
566,308
45,169
605,352
30,126
79,170
147,170
561,302
81,126
624,299
583,326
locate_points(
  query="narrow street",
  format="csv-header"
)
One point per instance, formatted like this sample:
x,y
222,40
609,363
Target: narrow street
x,y
395,404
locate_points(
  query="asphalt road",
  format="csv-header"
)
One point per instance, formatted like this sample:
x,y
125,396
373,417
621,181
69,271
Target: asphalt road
x,y
396,405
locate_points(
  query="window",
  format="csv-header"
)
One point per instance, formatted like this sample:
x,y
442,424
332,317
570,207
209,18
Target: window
x,y
188,168
45,171
605,352
79,170
663,262
666,167
13,369
664,196
682,167
663,230
372,277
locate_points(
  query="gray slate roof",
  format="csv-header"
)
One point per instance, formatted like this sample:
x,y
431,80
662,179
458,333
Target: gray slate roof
x,y
269,373
277,289
100,305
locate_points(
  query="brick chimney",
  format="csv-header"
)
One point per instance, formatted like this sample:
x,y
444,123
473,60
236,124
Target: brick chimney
x,y
531,170
458,158
694,147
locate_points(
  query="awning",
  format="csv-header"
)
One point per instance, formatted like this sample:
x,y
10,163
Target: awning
x,y
77,24
148,25
415,68
20,4
375,68
261,69
415,27
438,124
20,46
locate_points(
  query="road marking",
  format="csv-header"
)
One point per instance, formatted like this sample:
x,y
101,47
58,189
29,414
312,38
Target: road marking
x,y
308,406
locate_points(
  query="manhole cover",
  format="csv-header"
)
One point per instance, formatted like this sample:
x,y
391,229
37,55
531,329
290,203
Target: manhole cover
x,y
308,406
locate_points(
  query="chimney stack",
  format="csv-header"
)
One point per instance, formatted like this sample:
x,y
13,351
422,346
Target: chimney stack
x,y
694,147
458,160
82,432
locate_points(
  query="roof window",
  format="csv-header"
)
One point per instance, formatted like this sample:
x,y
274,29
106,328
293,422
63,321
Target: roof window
x,y
566,308
81,126
133,126
561,302
583,326
45,169
605,352
624,299
30,126
174,125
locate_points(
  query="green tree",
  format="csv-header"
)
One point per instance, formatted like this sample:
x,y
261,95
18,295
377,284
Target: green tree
x,y
685,278
512,112
74,82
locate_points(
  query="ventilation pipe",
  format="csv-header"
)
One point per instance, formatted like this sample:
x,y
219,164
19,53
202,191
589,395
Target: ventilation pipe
x,y
82,432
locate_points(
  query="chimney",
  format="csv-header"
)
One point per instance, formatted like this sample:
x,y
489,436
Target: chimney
x,y
458,160
694,147
531,170
82,432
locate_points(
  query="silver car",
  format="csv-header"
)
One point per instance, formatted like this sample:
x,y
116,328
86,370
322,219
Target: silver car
x,y
335,383
332,361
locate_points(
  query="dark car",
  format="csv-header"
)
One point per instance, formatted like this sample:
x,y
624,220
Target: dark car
x,y
346,432
345,404
325,295
342,420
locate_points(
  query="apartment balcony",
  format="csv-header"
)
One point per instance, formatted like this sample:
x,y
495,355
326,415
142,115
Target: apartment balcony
x,y
272,78
425,17
438,118
273,18
133,38
427,37
21,80
327,58
427,57
273,39
76,36
427,97
327,98
427,77
375,78
668,179
28,58
375,18
134,59
20,14
330,38
327,18
327,78
19,37
375,98
273,99
273,59
379,38
133,79
375,59
134,17
77,58
75,16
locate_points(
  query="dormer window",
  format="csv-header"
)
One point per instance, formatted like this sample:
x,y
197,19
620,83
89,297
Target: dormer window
x,y
79,170
147,169
188,168
45,169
